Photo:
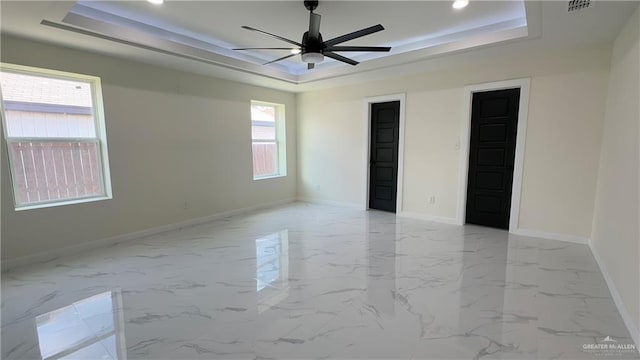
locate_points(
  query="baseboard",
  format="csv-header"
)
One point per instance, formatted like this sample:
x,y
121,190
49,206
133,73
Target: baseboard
x,y
75,249
419,216
330,203
552,236
622,309
407,214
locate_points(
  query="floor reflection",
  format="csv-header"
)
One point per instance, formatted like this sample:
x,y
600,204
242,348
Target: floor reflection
x,y
332,284
272,269
482,287
91,328
381,276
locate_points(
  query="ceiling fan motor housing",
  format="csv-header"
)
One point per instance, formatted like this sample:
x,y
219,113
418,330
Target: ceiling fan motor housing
x,y
311,45
312,49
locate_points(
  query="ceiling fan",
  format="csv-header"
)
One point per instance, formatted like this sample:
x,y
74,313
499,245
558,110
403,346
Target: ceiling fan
x,y
313,49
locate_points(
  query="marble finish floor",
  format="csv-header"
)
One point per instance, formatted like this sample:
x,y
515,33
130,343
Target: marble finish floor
x,y
309,281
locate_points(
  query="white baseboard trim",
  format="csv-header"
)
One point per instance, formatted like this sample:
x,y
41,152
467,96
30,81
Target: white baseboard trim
x,y
330,203
617,299
406,214
552,236
75,249
419,216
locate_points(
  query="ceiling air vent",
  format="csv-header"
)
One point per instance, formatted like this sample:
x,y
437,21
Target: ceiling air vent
x,y
575,5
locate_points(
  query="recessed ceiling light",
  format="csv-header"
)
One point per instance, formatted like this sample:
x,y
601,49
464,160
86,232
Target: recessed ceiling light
x,y
156,2
460,4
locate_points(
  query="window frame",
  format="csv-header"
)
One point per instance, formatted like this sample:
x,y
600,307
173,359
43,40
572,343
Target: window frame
x,y
280,139
100,136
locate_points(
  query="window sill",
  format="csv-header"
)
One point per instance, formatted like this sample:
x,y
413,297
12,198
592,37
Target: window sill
x,y
269,177
62,203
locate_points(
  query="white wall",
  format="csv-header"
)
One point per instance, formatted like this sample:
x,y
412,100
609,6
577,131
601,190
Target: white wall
x,y
616,233
173,137
568,92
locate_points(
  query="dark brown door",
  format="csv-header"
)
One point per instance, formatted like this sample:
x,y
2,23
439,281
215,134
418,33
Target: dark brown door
x,y
494,122
383,171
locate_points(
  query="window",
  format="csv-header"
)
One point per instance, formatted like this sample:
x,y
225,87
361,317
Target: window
x,y
268,140
54,128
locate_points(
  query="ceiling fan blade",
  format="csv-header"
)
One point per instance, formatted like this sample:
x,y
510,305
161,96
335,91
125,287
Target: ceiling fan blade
x,y
314,26
266,48
340,58
358,48
310,66
272,35
354,35
282,58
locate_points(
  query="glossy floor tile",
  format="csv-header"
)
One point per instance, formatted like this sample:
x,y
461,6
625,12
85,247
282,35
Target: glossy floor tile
x,y
310,281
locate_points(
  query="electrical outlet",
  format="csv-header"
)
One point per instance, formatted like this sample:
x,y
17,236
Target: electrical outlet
x,y
432,199
185,206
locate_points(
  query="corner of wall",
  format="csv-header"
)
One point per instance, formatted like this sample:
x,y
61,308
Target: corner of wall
x,y
614,223
634,332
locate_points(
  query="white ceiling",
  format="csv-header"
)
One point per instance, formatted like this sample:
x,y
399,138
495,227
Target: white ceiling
x,y
198,36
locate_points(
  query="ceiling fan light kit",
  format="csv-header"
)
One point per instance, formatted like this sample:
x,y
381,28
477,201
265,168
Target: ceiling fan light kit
x,y
460,4
313,49
312,57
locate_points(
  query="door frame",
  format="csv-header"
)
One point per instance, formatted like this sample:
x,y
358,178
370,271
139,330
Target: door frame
x,y
367,146
524,85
